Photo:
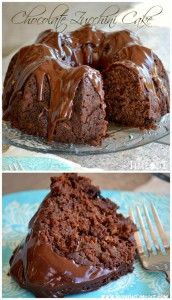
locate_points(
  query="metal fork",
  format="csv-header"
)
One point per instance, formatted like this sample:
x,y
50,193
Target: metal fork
x,y
15,167
152,256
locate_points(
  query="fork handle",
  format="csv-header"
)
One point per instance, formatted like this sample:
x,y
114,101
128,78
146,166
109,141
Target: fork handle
x,y
167,275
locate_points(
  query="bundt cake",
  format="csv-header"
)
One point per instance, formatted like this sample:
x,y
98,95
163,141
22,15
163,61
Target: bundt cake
x,y
67,87
76,242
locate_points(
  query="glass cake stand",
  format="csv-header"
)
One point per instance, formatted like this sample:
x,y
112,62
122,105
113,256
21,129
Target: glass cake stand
x,y
119,139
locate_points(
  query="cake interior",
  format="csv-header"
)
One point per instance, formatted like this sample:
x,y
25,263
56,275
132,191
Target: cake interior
x,y
68,87
76,241
82,225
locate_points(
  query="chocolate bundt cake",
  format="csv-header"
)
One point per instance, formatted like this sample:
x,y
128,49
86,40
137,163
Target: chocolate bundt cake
x,y
54,88
76,241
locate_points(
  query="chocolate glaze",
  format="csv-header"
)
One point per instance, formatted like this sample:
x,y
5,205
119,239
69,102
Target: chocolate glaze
x,y
141,60
38,268
88,46
53,261
42,61
67,58
100,50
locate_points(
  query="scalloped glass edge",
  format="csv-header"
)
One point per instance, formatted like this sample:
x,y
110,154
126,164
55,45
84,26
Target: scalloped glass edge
x,y
119,139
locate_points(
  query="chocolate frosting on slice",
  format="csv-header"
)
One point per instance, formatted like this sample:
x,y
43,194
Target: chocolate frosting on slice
x,y
37,267
76,241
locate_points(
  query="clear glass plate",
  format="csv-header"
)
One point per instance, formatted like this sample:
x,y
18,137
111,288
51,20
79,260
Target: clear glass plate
x,y
119,139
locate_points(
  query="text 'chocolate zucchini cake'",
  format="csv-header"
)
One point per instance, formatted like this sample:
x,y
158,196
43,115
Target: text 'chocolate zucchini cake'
x,y
76,241
67,86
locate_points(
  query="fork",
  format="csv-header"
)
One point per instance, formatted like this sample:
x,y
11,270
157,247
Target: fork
x,y
15,167
152,256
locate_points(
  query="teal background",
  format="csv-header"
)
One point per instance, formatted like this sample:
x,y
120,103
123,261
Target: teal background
x,y
18,208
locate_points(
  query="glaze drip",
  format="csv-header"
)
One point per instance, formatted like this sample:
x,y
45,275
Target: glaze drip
x,y
42,266
42,60
66,59
76,241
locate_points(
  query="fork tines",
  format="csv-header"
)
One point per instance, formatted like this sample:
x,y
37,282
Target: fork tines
x,y
151,232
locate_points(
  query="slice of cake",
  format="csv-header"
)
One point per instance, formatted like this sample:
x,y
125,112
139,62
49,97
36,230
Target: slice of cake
x,y
76,241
